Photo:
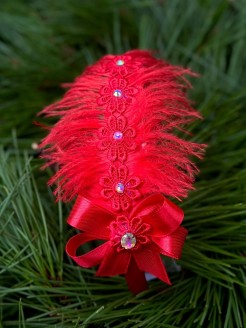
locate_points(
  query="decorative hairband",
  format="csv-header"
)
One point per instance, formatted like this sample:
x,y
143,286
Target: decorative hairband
x,y
117,152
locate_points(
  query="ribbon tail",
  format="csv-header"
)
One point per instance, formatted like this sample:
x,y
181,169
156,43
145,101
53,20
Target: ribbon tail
x,y
114,263
89,259
135,278
150,261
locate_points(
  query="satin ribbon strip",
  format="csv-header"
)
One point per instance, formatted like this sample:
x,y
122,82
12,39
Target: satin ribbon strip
x,y
165,236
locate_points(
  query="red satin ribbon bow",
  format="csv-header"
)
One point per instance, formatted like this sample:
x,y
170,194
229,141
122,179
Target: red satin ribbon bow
x,y
154,225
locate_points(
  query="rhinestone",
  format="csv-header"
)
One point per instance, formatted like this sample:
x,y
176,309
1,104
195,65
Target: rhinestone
x,y
118,135
119,188
128,241
120,62
117,93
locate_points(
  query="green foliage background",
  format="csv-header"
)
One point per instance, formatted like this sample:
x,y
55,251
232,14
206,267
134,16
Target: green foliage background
x,y
46,42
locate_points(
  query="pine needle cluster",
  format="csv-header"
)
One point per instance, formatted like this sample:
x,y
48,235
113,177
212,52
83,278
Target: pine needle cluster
x,y
46,43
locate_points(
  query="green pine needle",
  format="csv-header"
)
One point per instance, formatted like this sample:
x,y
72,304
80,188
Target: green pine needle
x,y
46,43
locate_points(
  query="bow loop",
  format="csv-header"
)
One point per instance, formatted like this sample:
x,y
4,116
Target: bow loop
x,y
163,215
90,218
92,258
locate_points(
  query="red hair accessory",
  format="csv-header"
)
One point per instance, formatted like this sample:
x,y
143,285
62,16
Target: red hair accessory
x,y
117,152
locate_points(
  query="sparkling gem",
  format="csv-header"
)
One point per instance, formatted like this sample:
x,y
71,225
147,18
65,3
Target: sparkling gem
x,y
120,62
128,241
118,135
119,188
117,93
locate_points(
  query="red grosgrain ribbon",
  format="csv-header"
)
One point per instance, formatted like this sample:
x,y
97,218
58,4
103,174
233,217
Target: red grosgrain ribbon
x,y
133,243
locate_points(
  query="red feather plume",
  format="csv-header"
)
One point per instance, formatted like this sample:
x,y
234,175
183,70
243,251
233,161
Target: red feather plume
x,y
158,106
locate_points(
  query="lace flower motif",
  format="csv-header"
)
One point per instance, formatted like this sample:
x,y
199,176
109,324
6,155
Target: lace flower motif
x,y
116,137
122,65
117,95
120,188
134,228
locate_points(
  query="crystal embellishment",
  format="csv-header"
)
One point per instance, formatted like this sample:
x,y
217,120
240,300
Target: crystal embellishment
x,y
118,135
120,62
119,188
128,241
117,93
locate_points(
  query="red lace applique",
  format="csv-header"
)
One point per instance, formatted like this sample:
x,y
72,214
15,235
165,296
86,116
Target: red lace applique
x,y
116,137
122,65
117,95
123,226
120,188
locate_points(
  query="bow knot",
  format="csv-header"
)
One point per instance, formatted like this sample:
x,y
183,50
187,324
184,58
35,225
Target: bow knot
x,y
125,229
